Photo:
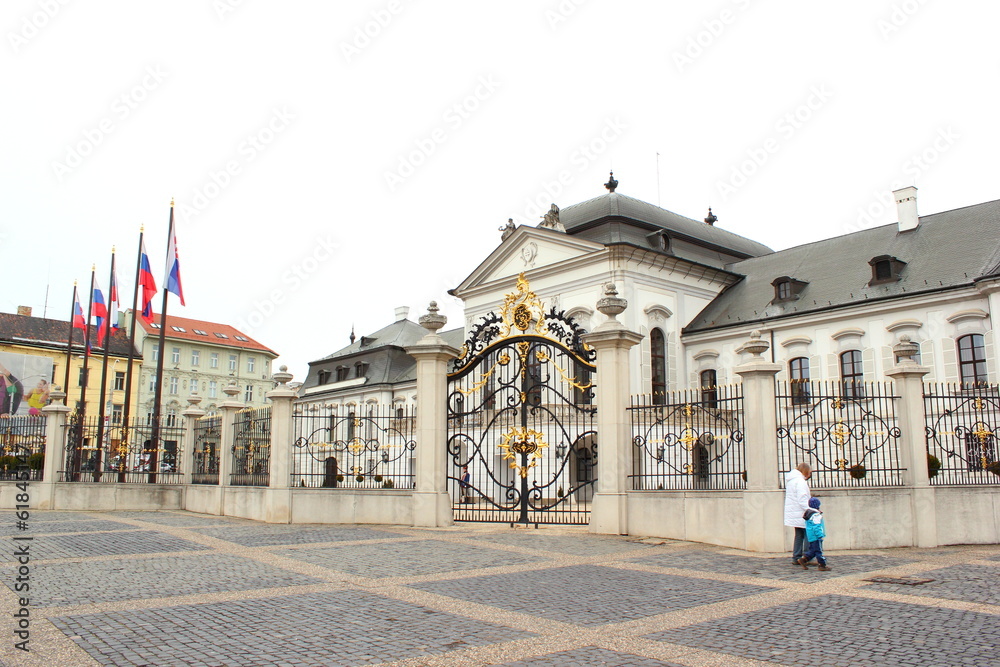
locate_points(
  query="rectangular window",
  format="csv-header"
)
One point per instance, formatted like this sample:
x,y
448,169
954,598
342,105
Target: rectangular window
x,y
195,357
972,360
173,385
213,389
116,413
798,373
119,381
248,394
152,383
175,355
214,360
82,380
251,362
852,374
156,351
232,362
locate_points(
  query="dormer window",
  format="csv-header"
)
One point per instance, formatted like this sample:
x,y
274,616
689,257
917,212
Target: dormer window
x,y
324,377
342,373
360,369
787,289
885,269
659,240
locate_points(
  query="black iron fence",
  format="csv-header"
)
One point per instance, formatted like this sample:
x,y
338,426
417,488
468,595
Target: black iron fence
x,y
22,447
251,449
846,433
692,440
962,425
137,452
362,447
207,432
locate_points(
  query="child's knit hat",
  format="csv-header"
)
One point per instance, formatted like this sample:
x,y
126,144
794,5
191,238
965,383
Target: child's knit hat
x,y
814,503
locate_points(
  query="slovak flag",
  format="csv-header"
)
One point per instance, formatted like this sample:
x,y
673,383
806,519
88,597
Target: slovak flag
x,y
148,284
78,321
99,310
172,281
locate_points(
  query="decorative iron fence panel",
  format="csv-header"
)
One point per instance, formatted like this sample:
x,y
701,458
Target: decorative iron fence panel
x,y
251,450
22,447
693,440
847,434
207,432
353,447
138,452
962,426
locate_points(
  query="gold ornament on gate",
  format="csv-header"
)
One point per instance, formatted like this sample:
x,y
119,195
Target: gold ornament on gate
x,y
522,441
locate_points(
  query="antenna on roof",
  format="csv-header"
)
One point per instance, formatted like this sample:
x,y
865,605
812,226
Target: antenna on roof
x,y
658,180
352,334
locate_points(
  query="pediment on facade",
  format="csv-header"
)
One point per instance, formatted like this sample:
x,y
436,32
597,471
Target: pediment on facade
x,y
528,249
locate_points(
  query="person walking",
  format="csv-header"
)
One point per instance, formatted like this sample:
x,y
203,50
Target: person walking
x,y
796,503
815,532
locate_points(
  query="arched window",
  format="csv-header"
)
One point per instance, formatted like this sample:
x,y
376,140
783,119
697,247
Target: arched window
x,y
852,373
658,358
972,360
709,390
798,374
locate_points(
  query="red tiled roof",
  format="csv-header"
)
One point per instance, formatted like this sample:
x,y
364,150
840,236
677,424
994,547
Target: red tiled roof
x,y
211,333
53,334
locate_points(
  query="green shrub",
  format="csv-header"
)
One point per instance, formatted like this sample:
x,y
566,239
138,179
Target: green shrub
x,y
360,478
387,484
994,468
933,465
340,478
36,461
377,478
857,471
9,462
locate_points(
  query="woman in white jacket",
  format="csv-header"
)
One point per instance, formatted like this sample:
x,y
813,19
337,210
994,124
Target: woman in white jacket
x,y
796,503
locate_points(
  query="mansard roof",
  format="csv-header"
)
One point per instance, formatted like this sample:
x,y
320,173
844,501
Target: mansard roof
x,y
601,219
947,250
54,334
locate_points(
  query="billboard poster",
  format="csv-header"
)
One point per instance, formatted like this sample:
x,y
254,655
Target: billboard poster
x,y
24,383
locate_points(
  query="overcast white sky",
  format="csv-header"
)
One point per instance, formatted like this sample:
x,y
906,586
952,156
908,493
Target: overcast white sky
x,y
333,160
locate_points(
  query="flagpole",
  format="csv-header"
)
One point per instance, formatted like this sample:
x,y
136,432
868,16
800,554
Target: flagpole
x,y
131,352
81,411
158,394
69,345
104,365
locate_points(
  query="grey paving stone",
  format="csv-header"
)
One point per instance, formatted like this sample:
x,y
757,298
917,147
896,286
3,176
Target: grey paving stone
x,y
589,594
588,657
780,568
968,583
336,628
840,630
276,535
576,544
79,525
117,543
54,515
180,520
60,584
404,559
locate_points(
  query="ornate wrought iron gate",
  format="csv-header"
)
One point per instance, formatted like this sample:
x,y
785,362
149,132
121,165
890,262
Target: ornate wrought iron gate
x,y
521,441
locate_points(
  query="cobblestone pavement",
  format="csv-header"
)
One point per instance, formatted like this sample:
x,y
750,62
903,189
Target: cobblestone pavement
x,y
173,588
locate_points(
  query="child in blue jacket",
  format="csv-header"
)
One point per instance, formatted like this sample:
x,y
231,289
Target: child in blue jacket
x,y
815,532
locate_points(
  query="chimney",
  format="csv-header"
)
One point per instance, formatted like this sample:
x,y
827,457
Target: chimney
x,y
402,312
24,310
906,208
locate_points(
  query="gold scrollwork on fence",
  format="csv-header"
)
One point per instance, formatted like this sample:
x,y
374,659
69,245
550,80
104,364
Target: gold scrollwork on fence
x,y
522,441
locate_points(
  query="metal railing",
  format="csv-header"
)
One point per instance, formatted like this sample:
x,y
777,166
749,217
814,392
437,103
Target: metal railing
x,y
136,452
962,425
370,447
251,450
207,433
688,439
847,433
22,447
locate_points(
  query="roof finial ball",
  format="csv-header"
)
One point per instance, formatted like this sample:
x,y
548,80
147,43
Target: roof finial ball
x,y
712,218
612,183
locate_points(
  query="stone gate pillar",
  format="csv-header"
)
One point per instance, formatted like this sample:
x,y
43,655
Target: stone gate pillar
x,y
186,456
763,499
431,502
612,341
908,379
56,414
227,409
279,499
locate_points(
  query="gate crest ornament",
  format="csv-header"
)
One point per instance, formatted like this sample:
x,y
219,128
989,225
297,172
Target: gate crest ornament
x,y
522,441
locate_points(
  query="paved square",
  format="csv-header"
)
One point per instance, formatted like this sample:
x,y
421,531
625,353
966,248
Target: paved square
x,y
107,544
588,657
968,583
338,628
580,544
590,594
54,584
78,525
280,534
780,568
835,630
180,520
406,558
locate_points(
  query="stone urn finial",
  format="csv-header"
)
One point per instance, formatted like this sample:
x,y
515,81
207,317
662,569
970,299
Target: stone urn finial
x,y
193,400
611,304
432,321
905,350
282,377
755,346
56,394
231,390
